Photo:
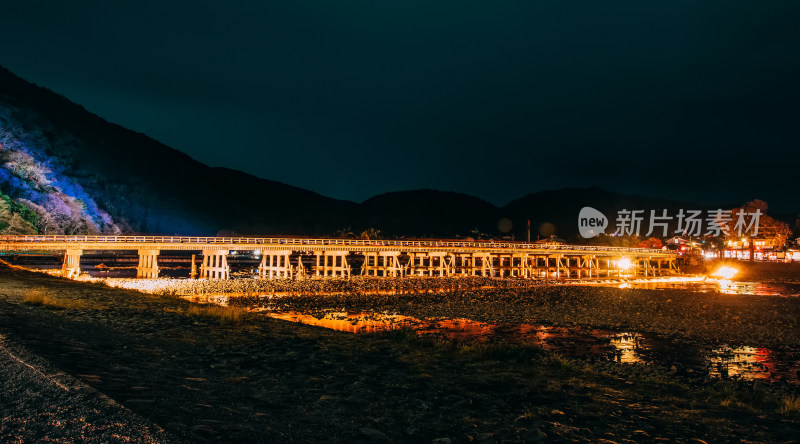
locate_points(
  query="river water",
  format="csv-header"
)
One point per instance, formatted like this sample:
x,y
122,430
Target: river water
x,y
788,289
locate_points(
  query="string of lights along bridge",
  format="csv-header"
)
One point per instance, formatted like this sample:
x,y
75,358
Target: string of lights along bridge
x,y
301,257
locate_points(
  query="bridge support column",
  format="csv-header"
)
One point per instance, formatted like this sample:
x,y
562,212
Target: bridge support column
x,y
461,264
215,265
510,265
332,263
607,268
148,264
486,268
370,266
661,270
647,266
534,269
193,273
300,270
383,263
72,264
431,263
275,264
563,267
416,264
591,266
518,263
501,267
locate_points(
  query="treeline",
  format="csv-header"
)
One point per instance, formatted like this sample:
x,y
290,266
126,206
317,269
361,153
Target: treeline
x,y
37,195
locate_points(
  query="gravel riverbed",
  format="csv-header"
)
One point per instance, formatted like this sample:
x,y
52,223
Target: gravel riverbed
x,y
206,377
766,321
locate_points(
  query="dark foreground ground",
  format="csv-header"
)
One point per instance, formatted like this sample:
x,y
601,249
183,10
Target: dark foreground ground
x,y
206,374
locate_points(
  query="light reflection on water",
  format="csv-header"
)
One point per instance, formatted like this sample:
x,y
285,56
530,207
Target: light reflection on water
x,y
704,286
625,347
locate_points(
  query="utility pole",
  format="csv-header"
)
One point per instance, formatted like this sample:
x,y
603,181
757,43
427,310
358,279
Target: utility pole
x,y
529,231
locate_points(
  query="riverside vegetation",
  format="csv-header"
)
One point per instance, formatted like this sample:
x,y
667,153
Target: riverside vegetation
x,y
209,373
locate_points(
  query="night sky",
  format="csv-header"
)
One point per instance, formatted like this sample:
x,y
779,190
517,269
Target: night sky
x,y
691,100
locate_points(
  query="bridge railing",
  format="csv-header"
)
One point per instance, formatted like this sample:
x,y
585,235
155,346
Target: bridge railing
x,y
271,241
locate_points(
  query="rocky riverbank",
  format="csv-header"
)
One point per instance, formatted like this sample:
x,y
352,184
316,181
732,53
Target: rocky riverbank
x,y
312,286
207,376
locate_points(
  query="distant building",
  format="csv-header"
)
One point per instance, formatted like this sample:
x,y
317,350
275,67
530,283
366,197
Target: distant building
x,y
682,246
763,248
676,240
551,240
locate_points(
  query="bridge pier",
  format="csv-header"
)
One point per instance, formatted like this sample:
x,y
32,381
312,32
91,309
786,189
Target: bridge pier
x,y
486,267
300,270
382,263
673,266
501,268
535,267
511,264
275,264
588,266
665,267
429,263
72,264
332,263
215,265
148,264
518,262
461,263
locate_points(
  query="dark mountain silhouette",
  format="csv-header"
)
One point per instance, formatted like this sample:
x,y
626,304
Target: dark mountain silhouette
x,y
146,186
66,170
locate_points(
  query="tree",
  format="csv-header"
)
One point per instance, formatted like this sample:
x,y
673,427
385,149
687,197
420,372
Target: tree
x,y
614,241
796,230
768,227
45,222
652,242
17,225
370,233
343,232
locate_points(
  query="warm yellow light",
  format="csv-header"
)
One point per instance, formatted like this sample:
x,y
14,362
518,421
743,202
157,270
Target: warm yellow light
x,y
725,272
625,263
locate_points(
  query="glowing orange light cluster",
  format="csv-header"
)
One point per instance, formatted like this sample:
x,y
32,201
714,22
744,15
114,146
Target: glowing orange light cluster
x,y
725,272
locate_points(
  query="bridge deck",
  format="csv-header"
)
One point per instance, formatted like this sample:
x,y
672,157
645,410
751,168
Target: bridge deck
x,y
107,243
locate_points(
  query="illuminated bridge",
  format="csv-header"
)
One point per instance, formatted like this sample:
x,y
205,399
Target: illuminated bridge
x,y
284,257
